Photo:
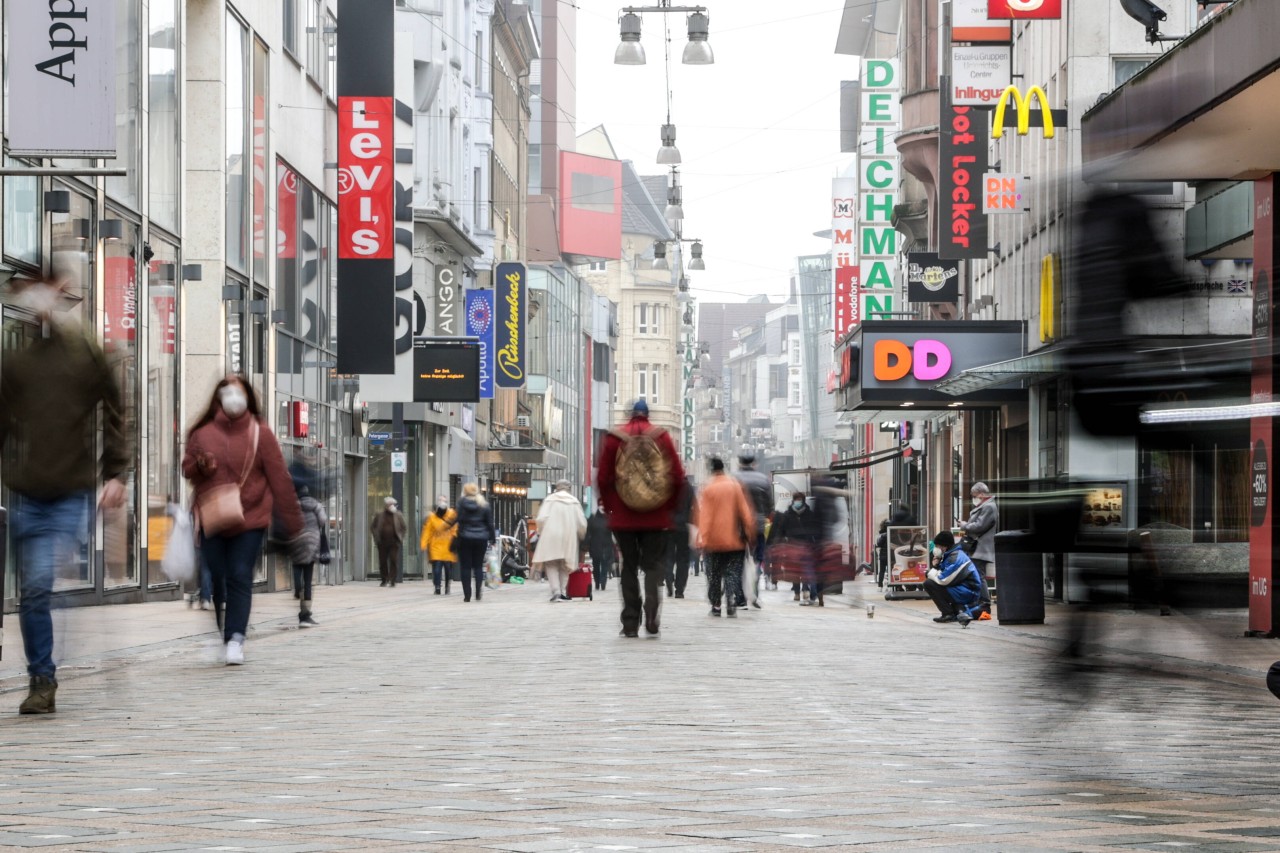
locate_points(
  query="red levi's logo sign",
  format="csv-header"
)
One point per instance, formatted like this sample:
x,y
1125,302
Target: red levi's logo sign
x,y
366,183
1023,10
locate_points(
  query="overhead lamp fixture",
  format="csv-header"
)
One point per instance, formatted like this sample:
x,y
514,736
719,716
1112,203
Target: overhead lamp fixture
x,y
674,212
630,51
697,51
668,154
696,251
660,255
111,229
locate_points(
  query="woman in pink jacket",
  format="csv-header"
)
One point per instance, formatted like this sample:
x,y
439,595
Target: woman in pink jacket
x,y
231,448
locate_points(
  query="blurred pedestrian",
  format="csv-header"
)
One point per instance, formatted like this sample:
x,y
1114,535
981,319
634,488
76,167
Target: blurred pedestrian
x,y
726,530
51,393
388,529
239,479
677,564
475,534
639,476
801,530
561,529
954,583
760,495
601,547
308,549
439,542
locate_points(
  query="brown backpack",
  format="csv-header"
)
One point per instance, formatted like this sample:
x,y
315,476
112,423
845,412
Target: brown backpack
x,y
642,471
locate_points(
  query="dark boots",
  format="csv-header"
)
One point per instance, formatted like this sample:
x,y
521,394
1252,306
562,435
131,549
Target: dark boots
x,y
304,615
40,699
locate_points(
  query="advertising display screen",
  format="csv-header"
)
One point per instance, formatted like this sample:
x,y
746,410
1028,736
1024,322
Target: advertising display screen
x,y
446,372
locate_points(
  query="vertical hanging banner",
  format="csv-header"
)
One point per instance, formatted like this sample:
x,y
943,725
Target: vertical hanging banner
x,y
844,255
366,187
411,298
878,187
962,161
509,348
1263,616
480,308
61,66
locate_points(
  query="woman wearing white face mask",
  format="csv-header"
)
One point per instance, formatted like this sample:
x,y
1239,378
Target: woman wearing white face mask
x,y
239,476
983,524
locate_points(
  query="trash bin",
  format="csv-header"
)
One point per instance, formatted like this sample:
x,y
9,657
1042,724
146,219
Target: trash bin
x,y
1019,567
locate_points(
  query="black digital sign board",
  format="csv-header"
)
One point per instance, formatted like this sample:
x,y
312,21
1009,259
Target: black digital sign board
x,y
446,372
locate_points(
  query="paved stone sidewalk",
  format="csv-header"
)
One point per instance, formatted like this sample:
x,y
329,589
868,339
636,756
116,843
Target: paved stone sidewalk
x,y
410,721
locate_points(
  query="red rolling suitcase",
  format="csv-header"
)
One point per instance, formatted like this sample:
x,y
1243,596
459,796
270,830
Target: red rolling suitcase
x,y
582,582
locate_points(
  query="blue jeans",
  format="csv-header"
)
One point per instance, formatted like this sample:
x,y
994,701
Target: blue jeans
x,y
440,573
231,560
46,534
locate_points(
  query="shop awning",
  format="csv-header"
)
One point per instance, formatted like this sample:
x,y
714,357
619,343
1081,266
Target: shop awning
x,y
1203,111
523,457
462,448
1036,365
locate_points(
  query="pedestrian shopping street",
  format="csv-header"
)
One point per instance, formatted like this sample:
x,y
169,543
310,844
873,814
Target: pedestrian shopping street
x,y
409,721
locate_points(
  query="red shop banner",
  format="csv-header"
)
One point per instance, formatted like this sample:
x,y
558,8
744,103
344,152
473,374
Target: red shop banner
x,y
121,308
366,185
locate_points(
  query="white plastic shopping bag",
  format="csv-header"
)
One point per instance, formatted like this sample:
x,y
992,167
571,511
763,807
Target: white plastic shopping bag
x,y
179,561
749,569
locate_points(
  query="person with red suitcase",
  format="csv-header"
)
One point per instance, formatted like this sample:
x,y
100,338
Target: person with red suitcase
x,y
561,528
582,581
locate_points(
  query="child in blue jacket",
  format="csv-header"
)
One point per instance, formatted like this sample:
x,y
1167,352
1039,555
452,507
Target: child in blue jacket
x,y
954,583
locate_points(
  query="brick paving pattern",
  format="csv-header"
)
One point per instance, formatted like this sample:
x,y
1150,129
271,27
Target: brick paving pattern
x,y
409,721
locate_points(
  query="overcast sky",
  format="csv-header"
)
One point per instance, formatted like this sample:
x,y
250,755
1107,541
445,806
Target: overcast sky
x,y
758,130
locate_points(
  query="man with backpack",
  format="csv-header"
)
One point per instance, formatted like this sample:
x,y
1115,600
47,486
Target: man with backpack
x,y
639,481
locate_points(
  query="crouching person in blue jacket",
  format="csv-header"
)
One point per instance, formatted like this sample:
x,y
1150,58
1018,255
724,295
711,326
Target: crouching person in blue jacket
x,y
954,583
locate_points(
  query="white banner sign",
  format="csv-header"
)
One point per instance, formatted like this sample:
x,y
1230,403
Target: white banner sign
x,y
62,78
979,75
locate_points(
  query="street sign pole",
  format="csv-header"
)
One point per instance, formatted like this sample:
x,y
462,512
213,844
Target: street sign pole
x,y
397,477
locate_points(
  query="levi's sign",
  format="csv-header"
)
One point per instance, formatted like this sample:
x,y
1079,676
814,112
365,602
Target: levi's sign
x,y
366,179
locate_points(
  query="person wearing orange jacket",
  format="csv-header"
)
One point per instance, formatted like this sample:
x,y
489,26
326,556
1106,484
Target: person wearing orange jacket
x,y
726,529
437,542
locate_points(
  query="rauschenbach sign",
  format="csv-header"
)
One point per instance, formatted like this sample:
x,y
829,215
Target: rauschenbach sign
x,y
62,78
511,290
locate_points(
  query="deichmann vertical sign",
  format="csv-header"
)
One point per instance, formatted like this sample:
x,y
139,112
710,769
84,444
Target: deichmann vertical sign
x,y
962,161
366,187
480,317
62,78
509,347
844,255
878,186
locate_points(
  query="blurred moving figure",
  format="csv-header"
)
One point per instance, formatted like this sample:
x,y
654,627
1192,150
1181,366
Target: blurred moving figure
x,y
600,546
50,396
639,477
760,495
388,529
309,548
677,570
439,542
726,529
954,583
800,530
232,456
561,529
476,532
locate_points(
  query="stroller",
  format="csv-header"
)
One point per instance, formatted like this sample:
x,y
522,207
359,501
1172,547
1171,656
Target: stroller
x,y
515,560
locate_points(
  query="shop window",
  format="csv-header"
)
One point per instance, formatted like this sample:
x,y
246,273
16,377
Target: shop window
x,y
160,398
289,12
164,151
262,244
237,143
1204,490
22,218
124,188
120,345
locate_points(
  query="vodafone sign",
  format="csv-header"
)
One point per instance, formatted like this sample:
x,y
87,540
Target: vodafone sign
x,y
366,183
1022,10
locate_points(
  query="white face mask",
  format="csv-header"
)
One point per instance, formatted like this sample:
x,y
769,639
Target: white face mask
x,y
977,501
234,402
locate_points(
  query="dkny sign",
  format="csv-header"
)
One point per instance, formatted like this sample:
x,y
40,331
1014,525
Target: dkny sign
x,y
62,78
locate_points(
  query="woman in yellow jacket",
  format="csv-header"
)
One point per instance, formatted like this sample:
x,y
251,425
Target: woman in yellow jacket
x,y
438,533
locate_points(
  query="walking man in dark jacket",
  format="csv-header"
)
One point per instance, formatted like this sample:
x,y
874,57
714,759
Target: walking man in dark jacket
x,y
642,535
388,528
600,546
51,393
801,527
760,495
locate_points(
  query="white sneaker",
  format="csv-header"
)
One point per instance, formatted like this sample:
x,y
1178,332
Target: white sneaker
x,y
235,652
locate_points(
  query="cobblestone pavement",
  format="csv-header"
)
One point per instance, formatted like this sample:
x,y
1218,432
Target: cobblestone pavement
x,y
409,721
